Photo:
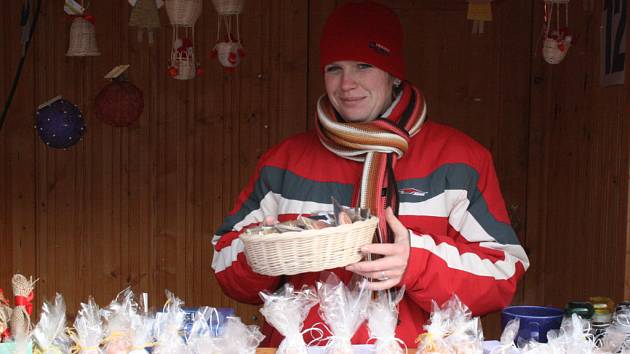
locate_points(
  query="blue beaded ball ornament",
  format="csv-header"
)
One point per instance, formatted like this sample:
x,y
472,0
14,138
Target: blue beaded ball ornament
x,y
59,123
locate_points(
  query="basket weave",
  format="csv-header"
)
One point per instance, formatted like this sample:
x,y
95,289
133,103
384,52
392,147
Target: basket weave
x,y
308,251
82,39
228,7
183,12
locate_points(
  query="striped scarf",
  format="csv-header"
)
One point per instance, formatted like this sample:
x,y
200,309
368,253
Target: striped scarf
x,y
378,144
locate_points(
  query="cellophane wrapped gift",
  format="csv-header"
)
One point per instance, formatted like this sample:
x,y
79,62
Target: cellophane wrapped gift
x,y
617,338
141,334
465,335
238,338
383,319
343,309
201,339
452,329
508,336
117,317
50,335
286,310
168,327
433,341
573,337
88,329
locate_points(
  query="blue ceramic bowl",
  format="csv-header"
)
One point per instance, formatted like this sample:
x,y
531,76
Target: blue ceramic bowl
x,y
535,321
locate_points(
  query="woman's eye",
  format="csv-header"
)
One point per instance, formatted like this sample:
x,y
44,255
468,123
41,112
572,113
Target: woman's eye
x,y
332,68
364,66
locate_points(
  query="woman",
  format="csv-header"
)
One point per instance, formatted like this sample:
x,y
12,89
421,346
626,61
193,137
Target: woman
x,y
442,216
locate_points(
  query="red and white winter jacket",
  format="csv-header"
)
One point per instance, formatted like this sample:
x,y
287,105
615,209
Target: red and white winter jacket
x,y
461,239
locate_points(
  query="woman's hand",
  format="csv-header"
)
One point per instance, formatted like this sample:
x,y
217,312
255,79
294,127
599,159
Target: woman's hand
x,y
389,269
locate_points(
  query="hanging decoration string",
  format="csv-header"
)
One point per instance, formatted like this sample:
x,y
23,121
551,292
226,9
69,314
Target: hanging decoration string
x,y
18,73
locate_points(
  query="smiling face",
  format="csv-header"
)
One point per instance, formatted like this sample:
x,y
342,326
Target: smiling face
x,y
360,92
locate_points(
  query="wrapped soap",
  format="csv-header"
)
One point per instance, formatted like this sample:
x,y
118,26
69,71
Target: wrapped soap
x,y
510,332
238,338
141,334
383,319
343,309
465,335
201,339
286,310
168,327
117,318
50,335
88,329
433,341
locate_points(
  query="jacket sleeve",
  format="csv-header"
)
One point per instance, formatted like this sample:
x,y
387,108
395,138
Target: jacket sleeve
x,y
229,262
479,257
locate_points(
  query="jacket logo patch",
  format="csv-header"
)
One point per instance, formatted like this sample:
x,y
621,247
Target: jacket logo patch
x,y
413,191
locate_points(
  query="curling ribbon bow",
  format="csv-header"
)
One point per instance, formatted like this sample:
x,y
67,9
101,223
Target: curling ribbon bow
x,y
25,301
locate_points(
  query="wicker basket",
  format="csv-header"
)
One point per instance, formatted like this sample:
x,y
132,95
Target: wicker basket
x,y
228,7
308,251
183,12
82,39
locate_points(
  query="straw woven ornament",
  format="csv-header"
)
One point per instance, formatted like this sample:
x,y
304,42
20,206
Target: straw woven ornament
x,y
145,16
21,316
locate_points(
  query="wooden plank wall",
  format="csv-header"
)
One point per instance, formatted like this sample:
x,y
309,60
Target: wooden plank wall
x,y
136,206
578,172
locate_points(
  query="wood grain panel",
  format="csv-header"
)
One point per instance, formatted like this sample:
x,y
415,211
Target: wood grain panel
x,y
577,185
137,206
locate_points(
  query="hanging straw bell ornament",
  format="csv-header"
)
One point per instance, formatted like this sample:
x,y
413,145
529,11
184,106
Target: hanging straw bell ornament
x,y
83,37
21,316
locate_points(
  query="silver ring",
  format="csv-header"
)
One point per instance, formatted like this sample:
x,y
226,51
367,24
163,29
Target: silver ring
x,y
383,276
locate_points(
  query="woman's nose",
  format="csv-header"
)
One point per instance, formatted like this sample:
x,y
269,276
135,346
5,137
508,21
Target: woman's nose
x,y
348,81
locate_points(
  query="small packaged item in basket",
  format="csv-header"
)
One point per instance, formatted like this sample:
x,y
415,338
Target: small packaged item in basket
x,y
168,327
510,332
117,316
238,338
50,335
88,329
201,339
260,230
343,309
312,223
382,321
346,215
286,310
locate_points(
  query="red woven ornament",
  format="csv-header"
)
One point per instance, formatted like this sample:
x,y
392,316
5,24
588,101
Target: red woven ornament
x,y
119,104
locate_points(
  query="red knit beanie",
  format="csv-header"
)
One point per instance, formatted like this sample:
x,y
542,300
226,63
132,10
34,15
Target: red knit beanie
x,y
364,31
